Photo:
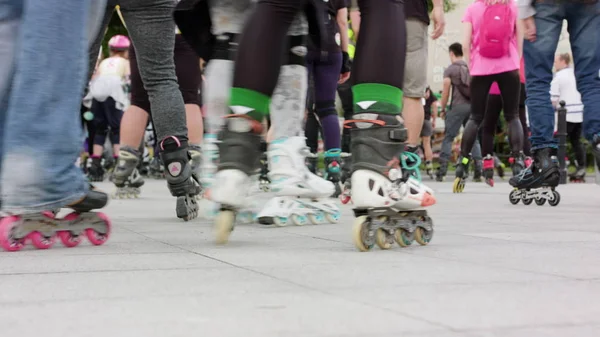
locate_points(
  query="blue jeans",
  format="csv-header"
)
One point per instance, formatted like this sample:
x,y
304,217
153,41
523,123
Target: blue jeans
x,y
40,133
584,34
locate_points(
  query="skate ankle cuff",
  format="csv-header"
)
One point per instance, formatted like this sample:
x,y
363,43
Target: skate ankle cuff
x,y
172,143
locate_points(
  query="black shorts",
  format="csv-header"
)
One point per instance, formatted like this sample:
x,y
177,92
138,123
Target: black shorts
x,y
522,97
187,69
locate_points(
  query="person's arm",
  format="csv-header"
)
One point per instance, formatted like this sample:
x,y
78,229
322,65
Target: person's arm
x,y
445,95
342,22
437,16
520,37
467,42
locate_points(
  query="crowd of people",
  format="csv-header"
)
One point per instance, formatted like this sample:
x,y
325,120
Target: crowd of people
x,y
238,91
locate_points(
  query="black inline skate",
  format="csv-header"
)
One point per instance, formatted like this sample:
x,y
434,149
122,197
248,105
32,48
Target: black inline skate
x,y
578,176
538,181
42,229
462,173
181,180
96,169
333,169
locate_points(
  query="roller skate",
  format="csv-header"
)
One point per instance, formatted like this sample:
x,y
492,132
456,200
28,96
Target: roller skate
x,y
538,181
96,170
488,170
264,183
156,169
240,158
477,171
312,161
42,229
182,182
345,177
517,163
462,173
429,169
441,172
578,176
125,176
301,197
499,165
596,153
333,170
210,158
196,162
387,207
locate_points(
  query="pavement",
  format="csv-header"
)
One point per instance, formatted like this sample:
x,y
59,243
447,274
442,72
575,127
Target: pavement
x,y
492,269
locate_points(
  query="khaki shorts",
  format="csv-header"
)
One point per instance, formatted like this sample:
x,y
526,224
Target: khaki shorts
x,y
415,70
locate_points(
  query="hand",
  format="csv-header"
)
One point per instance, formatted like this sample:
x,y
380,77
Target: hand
x,y
443,114
529,30
344,77
439,22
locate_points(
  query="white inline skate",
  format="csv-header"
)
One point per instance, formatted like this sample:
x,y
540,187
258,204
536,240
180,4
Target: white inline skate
x,y
388,207
301,196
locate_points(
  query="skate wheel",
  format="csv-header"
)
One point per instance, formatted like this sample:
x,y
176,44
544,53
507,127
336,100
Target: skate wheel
x,y
540,201
7,241
458,186
224,226
39,241
404,238
299,220
526,200
245,217
423,236
513,197
69,239
555,199
361,234
280,221
317,218
383,238
333,218
97,238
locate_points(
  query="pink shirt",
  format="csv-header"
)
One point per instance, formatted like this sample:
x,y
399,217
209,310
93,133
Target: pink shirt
x,y
495,89
480,65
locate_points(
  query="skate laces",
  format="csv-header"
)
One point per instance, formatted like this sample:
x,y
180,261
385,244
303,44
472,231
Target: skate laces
x,y
406,157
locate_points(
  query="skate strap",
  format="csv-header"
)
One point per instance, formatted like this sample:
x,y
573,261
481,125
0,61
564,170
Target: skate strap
x,y
349,123
413,157
170,137
257,127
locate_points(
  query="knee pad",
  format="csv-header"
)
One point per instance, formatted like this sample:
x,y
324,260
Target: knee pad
x,y
297,50
225,47
325,108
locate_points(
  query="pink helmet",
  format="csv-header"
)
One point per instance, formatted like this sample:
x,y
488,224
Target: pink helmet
x,y
119,43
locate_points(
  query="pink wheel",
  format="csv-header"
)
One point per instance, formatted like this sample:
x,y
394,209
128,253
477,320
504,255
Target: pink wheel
x,y
67,238
41,242
96,238
7,242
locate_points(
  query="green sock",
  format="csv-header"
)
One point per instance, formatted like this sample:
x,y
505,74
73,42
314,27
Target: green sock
x,y
249,102
377,98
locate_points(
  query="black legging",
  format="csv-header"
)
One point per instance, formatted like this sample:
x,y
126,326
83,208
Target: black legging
x,y
489,125
509,84
574,132
381,45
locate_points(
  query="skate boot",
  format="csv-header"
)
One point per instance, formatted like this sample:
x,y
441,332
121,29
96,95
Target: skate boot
x,y
578,176
517,163
240,158
333,170
477,170
301,197
387,206
538,181
345,177
312,161
181,180
42,229
441,172
499,167
488,170
264,183
429,169
126,176
156,169
96,171
462,173
196,162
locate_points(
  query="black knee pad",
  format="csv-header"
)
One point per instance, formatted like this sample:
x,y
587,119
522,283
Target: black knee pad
x,y
297,50
325,108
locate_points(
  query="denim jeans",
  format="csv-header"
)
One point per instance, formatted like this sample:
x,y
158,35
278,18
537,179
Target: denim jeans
x,y
455,118
584,34
40,133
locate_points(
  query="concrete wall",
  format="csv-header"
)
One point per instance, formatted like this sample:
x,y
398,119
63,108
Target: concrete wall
x,y
438,50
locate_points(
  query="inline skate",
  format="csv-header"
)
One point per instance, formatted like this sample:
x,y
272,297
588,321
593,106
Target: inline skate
x,y
264,183
429,169
196,163
477,170
125,176
96,169
578,176
210,158
312,161
156,169
42,229
440,175
301,197
462,173
333,169
345,197
240,153
488,170
538,181
182,182
387,207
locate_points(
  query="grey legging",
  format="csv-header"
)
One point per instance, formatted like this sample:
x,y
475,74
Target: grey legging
x,y
152,30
